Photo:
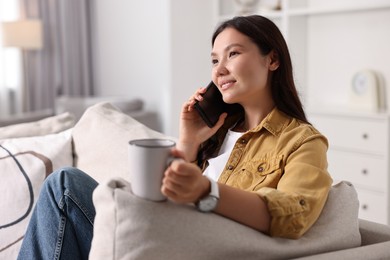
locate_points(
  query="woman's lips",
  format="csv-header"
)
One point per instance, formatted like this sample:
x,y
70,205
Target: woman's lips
x,y
227,84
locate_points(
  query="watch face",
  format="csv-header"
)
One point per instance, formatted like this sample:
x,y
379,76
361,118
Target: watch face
x,y
208,204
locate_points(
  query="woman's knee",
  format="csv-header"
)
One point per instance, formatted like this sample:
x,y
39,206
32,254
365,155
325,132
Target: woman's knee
x,y
68,172
69,177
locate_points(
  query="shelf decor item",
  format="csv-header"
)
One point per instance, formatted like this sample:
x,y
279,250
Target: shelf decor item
x,y
270,5
246,7
365,92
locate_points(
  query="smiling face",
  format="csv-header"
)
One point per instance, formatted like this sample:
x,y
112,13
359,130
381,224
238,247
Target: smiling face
x,y
241,72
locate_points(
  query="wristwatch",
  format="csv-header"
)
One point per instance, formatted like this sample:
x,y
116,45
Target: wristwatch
x,y
210,202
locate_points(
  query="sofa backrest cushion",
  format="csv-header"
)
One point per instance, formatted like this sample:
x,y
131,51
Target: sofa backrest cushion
x,y
100,140
78,105
49,125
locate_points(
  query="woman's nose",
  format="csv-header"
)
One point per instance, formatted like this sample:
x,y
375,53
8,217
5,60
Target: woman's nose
x,y
221,69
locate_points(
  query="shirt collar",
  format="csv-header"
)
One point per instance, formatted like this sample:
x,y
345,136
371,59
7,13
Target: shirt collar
x,y
274,122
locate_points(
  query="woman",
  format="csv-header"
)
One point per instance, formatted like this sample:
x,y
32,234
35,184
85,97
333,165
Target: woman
x,y
275,179
262,165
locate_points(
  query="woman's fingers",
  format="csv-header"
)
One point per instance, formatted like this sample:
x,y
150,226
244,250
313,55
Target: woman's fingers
x,y
176,190
177,154
197,96
169,193
220,121
179,176
181,181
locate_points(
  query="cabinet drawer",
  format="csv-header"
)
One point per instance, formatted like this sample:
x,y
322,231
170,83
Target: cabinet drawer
x,y
373,206
362,170
353,133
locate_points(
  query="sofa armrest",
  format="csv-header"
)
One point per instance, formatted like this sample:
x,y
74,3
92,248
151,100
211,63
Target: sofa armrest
x,y
375,244
372,252
372,232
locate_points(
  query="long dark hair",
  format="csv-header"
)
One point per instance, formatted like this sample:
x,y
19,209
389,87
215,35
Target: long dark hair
x,y
267,36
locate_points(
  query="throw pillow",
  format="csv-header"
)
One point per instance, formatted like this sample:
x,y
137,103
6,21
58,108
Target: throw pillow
x,y
24,165
50,125
101,139
127,227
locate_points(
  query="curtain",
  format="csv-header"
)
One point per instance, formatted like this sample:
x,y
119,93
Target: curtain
x,y
10,67
64,65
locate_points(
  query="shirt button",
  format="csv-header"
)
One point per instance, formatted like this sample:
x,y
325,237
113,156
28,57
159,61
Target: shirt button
x,y
230,167
243,141
260,169
302,202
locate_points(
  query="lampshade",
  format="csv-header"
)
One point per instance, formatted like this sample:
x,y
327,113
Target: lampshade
x,y
25,34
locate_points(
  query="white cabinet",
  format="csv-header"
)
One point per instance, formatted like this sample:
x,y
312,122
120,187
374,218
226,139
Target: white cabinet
x,y
359,153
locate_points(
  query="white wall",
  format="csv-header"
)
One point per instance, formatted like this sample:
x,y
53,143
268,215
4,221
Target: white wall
x,y
191,31
131,49
157,50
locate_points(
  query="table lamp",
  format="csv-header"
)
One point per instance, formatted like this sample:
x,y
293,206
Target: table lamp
x,y
26,35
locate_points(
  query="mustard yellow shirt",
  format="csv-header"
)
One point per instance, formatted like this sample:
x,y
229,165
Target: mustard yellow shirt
x,y
284,161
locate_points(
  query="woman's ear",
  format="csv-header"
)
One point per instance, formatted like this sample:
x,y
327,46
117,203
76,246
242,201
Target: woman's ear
x,y
274,60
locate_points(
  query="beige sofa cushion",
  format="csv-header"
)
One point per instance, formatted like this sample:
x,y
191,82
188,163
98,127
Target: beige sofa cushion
x,y
127,227
24,165
101,141
49,125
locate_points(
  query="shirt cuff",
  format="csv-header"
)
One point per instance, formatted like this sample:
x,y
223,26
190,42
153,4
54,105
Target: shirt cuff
x,y
288,218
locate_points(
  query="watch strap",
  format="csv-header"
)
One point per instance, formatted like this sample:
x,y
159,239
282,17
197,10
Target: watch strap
x,y
214,189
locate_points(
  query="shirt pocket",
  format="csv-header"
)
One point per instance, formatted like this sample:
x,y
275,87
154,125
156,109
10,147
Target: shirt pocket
x,y
263,172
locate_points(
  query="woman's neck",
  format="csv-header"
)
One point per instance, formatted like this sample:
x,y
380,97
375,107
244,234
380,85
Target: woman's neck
x,y
254,116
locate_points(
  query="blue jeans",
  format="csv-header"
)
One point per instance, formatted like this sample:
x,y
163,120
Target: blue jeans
x,y
61,226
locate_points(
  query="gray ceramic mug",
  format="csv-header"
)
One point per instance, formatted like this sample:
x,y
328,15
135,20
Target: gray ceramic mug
x,y
148,160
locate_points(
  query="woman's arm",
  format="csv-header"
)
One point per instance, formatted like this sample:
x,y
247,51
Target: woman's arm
x,y
245,207
184,183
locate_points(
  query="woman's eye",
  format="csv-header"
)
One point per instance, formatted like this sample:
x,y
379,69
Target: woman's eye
x,y
214,61
233,53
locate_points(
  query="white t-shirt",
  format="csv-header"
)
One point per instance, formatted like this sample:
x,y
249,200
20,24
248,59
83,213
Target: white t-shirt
x,y
217,164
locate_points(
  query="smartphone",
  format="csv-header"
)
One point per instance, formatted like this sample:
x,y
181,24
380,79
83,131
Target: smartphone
x,y
212,105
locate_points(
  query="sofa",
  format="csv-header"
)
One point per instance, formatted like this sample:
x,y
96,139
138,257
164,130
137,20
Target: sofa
x,y
76,106
127,227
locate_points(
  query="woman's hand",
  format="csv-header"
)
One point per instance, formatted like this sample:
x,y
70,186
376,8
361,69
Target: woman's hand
x,y
183,182
193,130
